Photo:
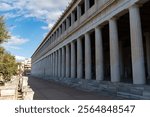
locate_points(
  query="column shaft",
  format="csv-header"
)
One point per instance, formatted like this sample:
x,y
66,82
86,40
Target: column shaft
x,y
79,59
99,54
67,23
114,51
53,64
88,62
50,70
78,12
137,46
56,68
72,18
67,61
59,63
63,69
86,5
63,27
73,60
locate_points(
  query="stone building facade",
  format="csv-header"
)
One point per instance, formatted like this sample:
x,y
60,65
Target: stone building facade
x,y
100,40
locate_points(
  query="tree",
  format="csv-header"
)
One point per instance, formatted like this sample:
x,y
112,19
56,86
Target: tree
x,y
4,35
8,65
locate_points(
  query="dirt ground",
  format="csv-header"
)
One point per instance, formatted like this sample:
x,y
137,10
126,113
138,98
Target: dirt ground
x,y
48,90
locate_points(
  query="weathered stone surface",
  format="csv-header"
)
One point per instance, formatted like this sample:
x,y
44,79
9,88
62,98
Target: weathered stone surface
x,y
28,94
25,81
136,91
146,94
8,92
8,98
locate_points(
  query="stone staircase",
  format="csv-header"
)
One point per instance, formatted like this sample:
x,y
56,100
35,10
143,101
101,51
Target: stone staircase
x,y
20,96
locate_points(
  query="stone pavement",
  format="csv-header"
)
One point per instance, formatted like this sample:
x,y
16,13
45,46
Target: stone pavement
x,y
49,90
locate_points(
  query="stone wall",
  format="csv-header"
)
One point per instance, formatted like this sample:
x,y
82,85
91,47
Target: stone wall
x,y
16,89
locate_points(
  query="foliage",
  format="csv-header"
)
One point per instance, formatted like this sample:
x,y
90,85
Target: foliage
x,y
8,65
4,35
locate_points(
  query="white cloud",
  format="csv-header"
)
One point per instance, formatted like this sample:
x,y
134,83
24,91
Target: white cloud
x,y
48,27
5,7
45,27
45,10
15,42
8,47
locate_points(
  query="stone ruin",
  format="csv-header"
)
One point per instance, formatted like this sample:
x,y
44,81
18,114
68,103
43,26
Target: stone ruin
x,y
16,89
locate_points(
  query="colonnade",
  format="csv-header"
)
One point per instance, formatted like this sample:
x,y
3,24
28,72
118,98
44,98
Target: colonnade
x,y
68,60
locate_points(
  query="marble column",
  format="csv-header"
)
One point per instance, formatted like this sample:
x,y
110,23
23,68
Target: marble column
x,y
59,63
73,60
138,67
63,27
67,61
56,68
55,60
79,59
88,61
78,12
72,18
147,37
50,65
114,51
59,31
46,67
87,5
53,64
99,54
63,69
67,23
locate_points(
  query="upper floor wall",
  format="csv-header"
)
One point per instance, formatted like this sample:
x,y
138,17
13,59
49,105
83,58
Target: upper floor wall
x,y
78,14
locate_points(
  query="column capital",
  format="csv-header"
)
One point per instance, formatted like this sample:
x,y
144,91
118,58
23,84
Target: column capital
x,y
113,19
97,27
136,5
87,33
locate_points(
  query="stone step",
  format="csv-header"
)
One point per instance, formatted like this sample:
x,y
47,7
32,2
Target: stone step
x,y
131,96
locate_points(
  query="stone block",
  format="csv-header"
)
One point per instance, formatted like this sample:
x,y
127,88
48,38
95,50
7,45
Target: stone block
x,y
123,89
28,94
8,98
24,81
104,86
124,95
112,89
146,94
25,88
7,92
136,91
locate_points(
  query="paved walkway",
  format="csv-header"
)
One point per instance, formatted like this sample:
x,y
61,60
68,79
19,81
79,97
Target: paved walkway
x,y
48,90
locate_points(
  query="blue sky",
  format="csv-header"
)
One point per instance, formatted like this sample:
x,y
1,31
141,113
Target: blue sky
x,y
28,22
